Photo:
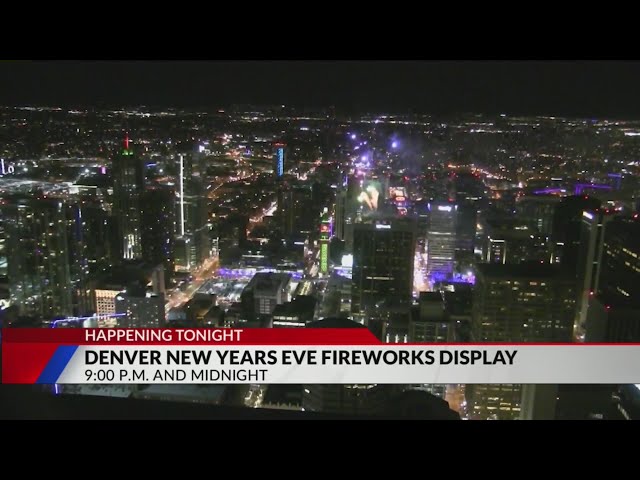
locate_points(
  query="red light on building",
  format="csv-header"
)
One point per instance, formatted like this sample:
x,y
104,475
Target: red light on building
x,y
324,228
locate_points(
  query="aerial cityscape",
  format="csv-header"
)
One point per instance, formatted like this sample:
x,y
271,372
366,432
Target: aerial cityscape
x,y
422,227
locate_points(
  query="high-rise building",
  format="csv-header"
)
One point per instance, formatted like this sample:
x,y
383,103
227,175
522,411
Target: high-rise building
x,y
157,232
513,242
100,234
518,303
614,309
383,262
279,160
265,291
193,239
537,211
38,261
294,202
466,227
340,214
441,241
142,309
127,277
128,186
78,246
566,229
590,258
620,269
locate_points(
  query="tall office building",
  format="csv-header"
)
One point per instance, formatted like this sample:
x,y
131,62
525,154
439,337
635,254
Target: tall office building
x,y
590,259
518,303
157,232
264,292
279,160
193,239
441,240
513,242
38,266
140,309
614,309
620,270
340,214
294,203
566,229
128,186
383,262
78,248
467,219
100,233
537,211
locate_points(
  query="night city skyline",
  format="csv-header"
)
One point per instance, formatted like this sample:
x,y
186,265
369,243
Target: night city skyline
x,y
430,202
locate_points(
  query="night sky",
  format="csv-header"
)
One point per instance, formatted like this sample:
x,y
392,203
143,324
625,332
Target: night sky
x,y
589,89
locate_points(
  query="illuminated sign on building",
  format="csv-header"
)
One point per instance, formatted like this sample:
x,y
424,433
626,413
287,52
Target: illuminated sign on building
x,y
324,257
6,169
325,235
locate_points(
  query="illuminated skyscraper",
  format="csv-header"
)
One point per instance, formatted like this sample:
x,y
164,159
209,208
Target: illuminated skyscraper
x,y
518,303
441,241
614,309
193,242
128,185
590,258
383,261
279,161
38,262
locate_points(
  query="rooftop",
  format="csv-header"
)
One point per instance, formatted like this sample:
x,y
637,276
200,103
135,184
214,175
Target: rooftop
x,y
268,283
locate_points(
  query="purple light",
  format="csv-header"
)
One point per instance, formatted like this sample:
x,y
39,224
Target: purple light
x,y
548,190
103,170
54,324
353,136
394,144
363,158
580,187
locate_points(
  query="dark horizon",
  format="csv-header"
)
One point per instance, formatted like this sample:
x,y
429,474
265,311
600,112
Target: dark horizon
x,y
594,89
